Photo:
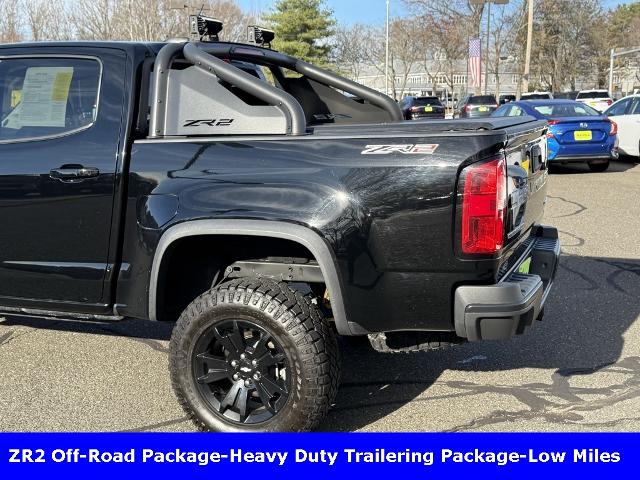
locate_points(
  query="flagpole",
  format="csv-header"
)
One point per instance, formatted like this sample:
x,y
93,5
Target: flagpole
x,y
386,56
466,87
486,55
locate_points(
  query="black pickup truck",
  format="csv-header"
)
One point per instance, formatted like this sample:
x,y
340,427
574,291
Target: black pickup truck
x,y
266,205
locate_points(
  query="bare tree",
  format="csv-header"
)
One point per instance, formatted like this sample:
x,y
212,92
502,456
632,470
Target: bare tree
x,y
450,40
235,19
565,42
152,20
506,24
351,51
431,54
466,15
404,52
10,21
96,19
48,20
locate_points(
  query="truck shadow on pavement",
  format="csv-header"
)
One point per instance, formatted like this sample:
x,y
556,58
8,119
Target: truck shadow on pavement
x,y
153,334
580,340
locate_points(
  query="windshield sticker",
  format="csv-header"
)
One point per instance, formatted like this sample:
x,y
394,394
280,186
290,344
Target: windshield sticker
x,y
43,99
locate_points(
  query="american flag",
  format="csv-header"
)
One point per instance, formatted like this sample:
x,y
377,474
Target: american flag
x,y
475,61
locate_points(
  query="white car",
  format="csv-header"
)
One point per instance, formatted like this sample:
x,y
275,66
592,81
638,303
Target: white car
x,y
626,113
536,96
598,99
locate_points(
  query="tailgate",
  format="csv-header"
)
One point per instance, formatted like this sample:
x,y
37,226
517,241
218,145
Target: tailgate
x,y
526,153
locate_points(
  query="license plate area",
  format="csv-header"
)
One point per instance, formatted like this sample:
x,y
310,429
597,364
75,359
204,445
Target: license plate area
x,y
483,109
428,109
582,135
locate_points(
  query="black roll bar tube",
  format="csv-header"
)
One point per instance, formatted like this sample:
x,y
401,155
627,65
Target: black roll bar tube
x,y
160,87
374,97
286,103
265,56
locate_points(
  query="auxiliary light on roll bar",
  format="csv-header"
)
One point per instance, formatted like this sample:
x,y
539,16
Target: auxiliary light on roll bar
x,y
205,27
260,36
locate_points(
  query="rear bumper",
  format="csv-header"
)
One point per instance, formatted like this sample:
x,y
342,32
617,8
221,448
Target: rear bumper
x,y
585,158
475,114
503,310
583,153
416,116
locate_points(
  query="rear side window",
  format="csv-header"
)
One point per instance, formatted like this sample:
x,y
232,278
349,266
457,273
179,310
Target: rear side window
x,y
535,96
47,97
583,95
482,100
502,111
566,110
422,101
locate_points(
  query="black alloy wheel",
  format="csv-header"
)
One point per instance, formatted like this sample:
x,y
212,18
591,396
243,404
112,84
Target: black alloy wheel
x,y
254,355
241,371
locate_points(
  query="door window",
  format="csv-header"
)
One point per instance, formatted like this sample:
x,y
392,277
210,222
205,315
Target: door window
x,y
47,97
619,108
635,108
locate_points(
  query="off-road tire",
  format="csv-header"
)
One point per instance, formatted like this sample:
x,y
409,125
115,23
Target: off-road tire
x,y
599,167
292,320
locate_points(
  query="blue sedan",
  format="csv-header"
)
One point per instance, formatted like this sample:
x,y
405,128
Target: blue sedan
x,y
577,132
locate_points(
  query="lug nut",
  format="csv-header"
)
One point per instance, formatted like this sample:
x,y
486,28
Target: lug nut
x,y
242,356
254,363
257,376
247,383
236,376
234,363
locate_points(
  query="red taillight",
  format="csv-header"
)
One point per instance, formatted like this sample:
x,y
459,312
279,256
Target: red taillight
x,y
467,108
483,206
609,101
415,109
553,122
614,128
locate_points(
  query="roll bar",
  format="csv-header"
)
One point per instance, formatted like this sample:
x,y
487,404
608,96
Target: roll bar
x,y
207,56
265,56
292,110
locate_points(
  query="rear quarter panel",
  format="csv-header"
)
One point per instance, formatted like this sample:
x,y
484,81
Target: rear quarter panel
x,y
389,219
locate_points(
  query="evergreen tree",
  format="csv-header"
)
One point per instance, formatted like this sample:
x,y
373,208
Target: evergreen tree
x,y
302,29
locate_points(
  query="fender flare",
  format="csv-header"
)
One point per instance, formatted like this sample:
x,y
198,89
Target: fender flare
x,y
258,228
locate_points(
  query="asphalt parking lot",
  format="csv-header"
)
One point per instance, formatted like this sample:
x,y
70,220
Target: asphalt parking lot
x,y
579,369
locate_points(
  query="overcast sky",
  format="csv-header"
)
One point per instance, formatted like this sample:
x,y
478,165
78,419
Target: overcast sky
x,y
365,11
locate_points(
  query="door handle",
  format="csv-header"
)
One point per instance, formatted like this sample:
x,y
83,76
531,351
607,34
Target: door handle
x,y
73,173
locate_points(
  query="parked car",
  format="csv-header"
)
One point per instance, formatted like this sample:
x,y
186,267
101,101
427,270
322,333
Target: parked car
x,y
506,99
577,132
598,99
472,106
265,219
414,108
626,113
536,96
